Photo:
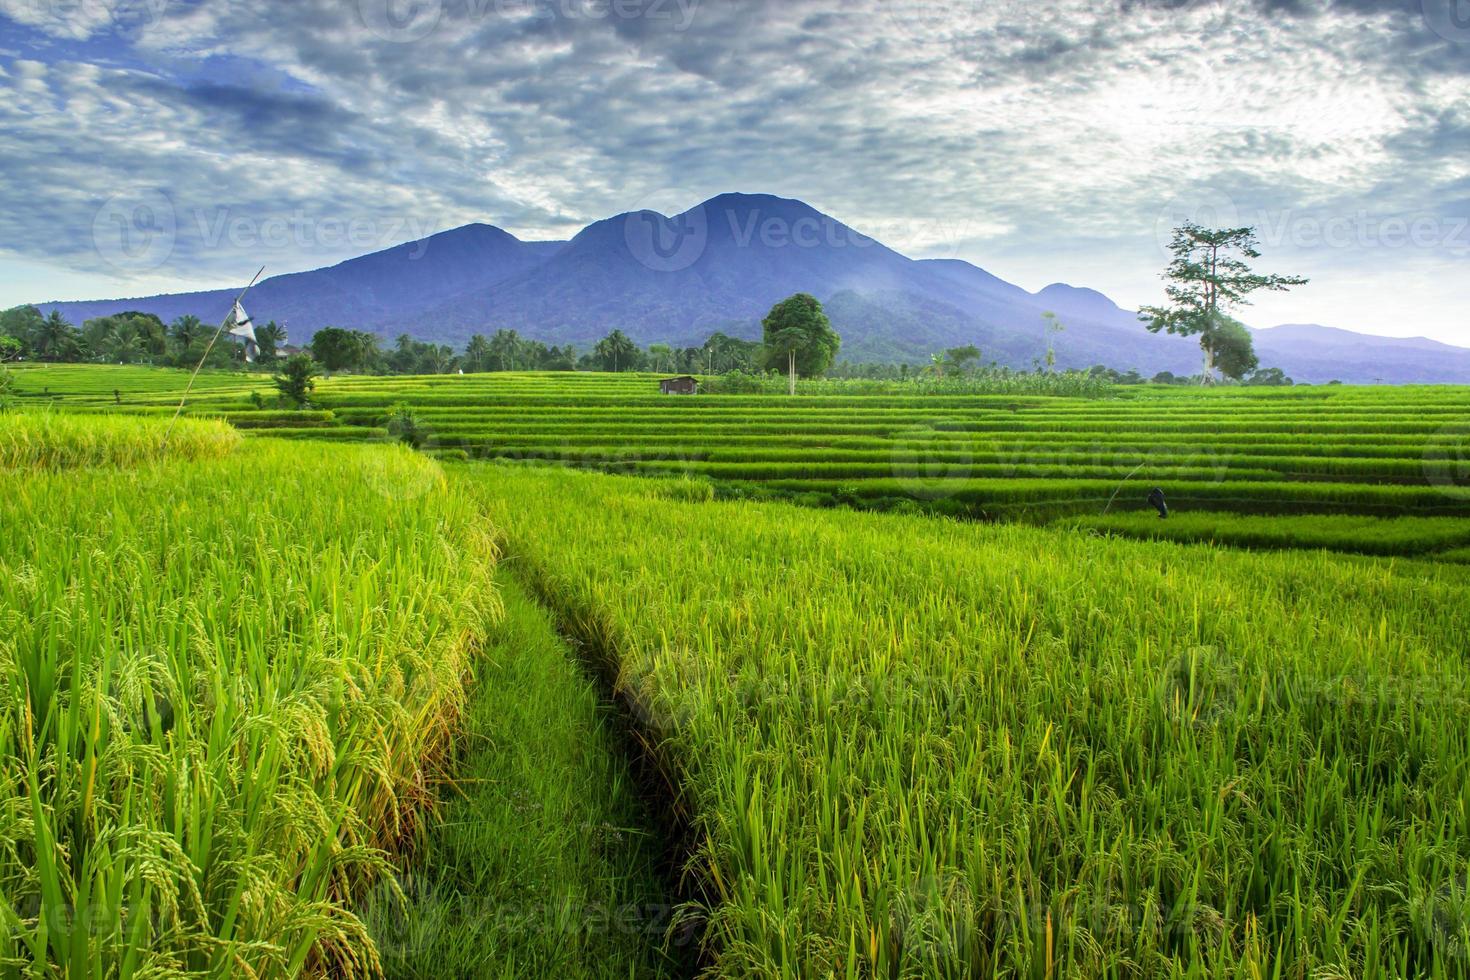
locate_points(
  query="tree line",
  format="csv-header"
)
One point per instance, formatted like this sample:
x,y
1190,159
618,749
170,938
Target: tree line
x,y
1208,276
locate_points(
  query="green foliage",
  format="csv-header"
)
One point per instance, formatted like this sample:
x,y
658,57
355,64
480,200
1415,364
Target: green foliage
x,y
269,340
1407,536
1229,348
336,349
923,748
539,865
406,427
7,389
799,338
227,684
616,352
53,440
297,379
1207,278
1054,326
1269,377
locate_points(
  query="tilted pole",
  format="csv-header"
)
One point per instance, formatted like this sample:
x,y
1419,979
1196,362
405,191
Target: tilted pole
x,y
217,334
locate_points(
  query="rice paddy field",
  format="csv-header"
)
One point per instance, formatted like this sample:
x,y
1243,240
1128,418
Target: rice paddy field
x,y
853,684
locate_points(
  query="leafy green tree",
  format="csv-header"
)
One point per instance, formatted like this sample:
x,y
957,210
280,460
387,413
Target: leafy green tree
x,y
616,352
56,339
505,350
189,336
722,354
11,349
1054,326
336,349
1208,277
124,343
799,337
1270,377
960,358
270,339
558,359
1231,349
477,354
297,379
21,324
662,357
405,356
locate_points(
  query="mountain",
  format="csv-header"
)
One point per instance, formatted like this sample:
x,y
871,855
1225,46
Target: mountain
x,y
385,291
721,266
1310,352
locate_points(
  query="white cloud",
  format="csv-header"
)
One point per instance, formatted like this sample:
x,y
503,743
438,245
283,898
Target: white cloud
x,y
1027,137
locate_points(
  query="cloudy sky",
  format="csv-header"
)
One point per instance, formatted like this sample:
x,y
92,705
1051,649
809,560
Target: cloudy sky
x,y
160,145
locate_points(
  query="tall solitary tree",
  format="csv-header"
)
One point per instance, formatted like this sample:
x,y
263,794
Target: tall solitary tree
x,y
1208,277
1054,326
799,337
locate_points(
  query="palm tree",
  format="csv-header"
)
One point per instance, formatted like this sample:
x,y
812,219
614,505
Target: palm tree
x,y
476,353
188,332
56,339
505,347
270,339
123,343
439,358
616,351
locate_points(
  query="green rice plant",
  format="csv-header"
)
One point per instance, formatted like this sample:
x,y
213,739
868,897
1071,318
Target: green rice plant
x,y
1365,535
543,863
228,688
53,440
922,748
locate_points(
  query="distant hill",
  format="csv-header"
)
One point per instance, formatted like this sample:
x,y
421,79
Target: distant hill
x,y
721,266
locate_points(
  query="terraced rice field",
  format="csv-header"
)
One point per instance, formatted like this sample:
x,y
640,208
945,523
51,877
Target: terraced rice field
x,y
268,711
1268,453
919,748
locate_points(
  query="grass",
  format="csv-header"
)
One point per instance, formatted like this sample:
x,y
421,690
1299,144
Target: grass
x,y
53,440
542,864
238,685
1366,535
229,685
919,748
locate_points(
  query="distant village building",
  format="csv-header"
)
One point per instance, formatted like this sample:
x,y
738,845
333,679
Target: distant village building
x,y
684,385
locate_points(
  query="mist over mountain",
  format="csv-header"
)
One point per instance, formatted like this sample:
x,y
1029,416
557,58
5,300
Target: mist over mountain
x,y
721,266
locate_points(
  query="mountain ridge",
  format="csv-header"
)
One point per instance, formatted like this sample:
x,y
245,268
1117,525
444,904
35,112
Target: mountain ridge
x,y
720,266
